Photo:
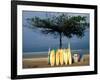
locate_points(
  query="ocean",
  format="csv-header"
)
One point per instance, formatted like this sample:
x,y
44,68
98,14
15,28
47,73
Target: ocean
x,y
45,53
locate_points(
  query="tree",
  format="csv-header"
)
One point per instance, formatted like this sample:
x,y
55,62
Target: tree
x,y
61,25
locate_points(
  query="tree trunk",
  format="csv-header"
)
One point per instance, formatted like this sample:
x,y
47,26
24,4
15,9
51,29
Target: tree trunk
x,y
60,46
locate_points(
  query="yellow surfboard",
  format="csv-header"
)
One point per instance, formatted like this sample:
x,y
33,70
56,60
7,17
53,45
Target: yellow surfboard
x,y
61,57
52,58
57,57
65,56
69,56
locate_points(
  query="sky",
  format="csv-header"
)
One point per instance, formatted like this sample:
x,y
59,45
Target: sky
x,y
34,41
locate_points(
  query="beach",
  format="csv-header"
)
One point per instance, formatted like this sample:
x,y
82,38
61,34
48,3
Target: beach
x,y
42,62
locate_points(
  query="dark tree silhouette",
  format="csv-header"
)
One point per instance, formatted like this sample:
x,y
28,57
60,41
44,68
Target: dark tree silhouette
x,y
61,25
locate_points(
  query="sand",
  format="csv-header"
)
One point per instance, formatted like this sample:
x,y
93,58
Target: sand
x,y
43,62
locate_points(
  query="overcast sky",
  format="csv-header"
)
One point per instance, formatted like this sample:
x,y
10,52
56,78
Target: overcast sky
x,y
34,41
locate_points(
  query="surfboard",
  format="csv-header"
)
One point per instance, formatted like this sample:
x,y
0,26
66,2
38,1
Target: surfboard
x,y
65,56
49,56
61,57
69,56
52,58
57,57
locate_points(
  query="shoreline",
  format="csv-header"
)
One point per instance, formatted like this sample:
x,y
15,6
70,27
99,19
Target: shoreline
x,y
45,54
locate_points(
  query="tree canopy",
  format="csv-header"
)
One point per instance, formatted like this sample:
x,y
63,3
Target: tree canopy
x,y
61,25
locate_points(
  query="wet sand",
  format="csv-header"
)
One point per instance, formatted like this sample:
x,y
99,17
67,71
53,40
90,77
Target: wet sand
x,y
43,62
